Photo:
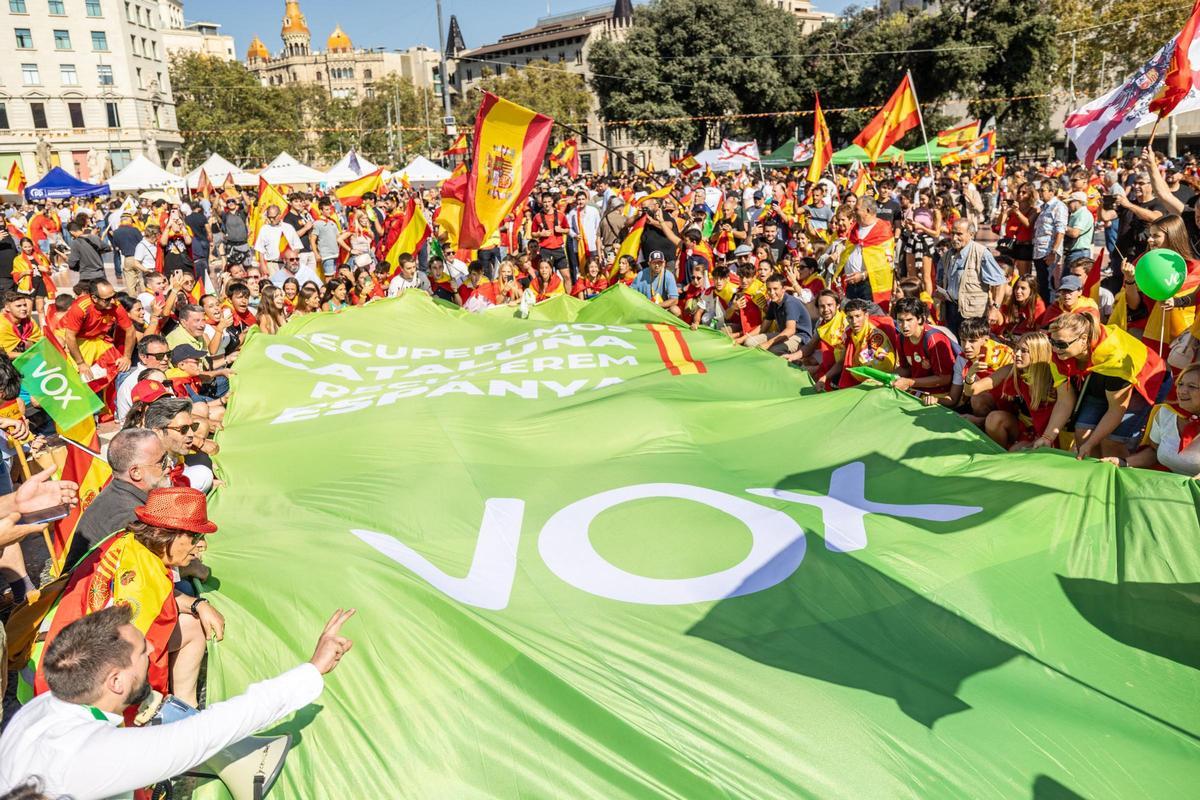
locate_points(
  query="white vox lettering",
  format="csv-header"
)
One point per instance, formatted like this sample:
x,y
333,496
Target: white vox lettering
x,y
54,383
776,551
846,506
489,581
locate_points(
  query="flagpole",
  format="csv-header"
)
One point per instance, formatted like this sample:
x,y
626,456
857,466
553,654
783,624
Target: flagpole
x,y
619,157
920,118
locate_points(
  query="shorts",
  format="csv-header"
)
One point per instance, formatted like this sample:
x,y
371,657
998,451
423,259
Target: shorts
x,y
1022,251
922,246
1133,423
557,257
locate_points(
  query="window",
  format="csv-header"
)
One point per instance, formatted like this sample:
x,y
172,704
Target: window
x,y
76,112
99,40
3,117
68,75
93,8
104,74
120,159
154,49
29,75
24,39
57,9
140,82
133,45
62,40
114,115
17,7
367,74
128,16
39,115
318,75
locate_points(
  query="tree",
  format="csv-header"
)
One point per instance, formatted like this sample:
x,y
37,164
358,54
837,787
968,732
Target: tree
x,y
690,58
549,89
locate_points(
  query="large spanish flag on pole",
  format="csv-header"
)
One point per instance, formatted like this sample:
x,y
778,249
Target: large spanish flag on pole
x,y
510,144
822,145
413,234
898,116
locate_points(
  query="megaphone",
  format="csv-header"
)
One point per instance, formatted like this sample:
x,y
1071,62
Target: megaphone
x,y
248,768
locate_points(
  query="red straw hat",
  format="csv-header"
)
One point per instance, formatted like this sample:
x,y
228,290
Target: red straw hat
x,y
148,391
178,508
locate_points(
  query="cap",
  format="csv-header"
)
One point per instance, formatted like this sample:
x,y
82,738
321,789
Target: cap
x,y
696,261
657,256
1071,283
743,250
1080,197
182,352
179,508
758,195
148,391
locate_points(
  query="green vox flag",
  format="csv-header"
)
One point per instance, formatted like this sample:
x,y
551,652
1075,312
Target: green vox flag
x,y
597,556
56,385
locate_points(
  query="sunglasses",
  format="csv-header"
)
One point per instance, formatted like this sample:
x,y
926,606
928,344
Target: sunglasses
x,y
1058,344
181,429
293,261
107,301
159,354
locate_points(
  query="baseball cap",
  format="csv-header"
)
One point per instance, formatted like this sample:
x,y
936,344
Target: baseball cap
x,y
148,391
743,250
183,352
1070,283
657,256
1080,197
758,195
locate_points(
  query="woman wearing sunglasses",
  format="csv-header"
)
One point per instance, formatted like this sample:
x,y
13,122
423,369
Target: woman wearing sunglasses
x,y
1114,380
1172,437
137,567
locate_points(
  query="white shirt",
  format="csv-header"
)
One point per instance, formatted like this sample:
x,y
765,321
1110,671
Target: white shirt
x,y
590,219
399,283
304,274
854,262
75,754
125,392
267,243
146,254
1165,433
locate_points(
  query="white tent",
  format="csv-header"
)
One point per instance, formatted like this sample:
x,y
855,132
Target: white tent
x,y
285,169
142,173
351,167
423,173
218,170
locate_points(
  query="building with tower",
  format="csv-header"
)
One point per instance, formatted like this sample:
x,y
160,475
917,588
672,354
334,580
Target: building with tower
x,y
342,69
562,39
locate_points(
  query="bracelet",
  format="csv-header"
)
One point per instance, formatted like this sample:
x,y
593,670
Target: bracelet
x,y
196,603
1122,462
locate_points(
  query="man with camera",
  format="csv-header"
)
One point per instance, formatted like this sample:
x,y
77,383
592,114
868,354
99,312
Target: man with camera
x,y
70,738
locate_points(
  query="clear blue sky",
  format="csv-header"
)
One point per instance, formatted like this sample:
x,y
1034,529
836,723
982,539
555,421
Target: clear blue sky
x,y
388,23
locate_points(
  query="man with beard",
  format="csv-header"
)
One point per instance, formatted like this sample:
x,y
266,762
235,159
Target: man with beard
x,y
69,738
139,463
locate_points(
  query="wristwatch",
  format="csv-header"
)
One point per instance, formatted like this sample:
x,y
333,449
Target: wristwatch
x,y
196,604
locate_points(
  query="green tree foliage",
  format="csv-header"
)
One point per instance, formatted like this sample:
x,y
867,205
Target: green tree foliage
x,y
698,58
547,88
708,57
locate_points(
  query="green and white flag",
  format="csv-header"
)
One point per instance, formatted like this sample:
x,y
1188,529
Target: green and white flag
x,y
595,556
56,385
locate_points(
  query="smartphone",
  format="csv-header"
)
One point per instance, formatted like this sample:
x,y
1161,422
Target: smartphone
x,y
44,515
1108,202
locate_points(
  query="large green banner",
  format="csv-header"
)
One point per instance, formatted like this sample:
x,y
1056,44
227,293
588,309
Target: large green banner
x,y
595,556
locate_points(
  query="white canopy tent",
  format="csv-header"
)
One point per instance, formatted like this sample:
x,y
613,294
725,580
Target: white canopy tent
x,y
285,169
142,173
351,167
218,169
423,173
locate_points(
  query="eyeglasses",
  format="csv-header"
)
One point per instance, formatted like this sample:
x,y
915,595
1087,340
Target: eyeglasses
x,y
107,301
293,261
197,538
159,354
182,429
1058,344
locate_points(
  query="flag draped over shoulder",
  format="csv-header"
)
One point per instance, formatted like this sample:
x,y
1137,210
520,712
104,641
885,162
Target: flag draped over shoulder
x,y
897,117
822,145
351,193
510,143
878,249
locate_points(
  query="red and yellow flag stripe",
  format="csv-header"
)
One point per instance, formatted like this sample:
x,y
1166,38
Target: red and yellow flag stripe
x,y
673,350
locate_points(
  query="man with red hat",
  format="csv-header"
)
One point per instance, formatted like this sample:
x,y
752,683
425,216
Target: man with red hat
x,y
138,567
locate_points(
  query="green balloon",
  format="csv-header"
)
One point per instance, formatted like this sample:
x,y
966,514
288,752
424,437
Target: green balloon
x,y
1160,273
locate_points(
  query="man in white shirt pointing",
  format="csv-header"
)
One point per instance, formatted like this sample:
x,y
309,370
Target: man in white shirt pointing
x,y
69,739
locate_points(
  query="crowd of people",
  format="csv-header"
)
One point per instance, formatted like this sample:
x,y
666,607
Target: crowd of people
x,y
1008,296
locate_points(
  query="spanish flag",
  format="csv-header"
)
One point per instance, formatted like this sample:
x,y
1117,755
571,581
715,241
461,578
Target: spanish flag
x,y
510,144
862,182
1118,354
877,248
84,466
998,166
630,246
449,215
822,145
961,134
229,188
16,179
657,194
687,164
898,116
1180,77
351,193
203,185
566,156
413,233
267,196
459,147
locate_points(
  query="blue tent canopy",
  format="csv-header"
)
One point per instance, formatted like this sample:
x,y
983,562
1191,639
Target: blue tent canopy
x,y
58,184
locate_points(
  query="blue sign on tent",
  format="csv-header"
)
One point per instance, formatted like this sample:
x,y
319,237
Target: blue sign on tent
x,y
58,184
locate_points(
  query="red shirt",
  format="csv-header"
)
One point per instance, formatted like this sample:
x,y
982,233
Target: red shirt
x,y
548,222
1013,229
933,354
87,321
486,289
587,289
42,226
